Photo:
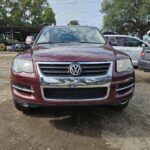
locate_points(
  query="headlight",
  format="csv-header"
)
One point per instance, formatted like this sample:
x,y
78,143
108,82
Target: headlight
x,y
124,65
22,66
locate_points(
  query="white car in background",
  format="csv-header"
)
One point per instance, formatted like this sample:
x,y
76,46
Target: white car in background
x,y
130,45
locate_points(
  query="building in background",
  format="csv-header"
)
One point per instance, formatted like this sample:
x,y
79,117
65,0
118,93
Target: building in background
x,y
10,35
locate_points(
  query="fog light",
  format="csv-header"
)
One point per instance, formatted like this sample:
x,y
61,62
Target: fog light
x,y
24,104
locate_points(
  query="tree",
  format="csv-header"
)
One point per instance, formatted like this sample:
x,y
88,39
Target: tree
x,y
126,16
26,12
73,22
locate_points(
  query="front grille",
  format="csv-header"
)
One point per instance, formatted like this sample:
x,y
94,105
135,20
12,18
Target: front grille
x,y
125,87
62,69
124,91
75,93
22,88
125,84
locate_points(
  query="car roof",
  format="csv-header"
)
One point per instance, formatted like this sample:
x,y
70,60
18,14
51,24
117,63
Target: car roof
x,y
67,26
119,35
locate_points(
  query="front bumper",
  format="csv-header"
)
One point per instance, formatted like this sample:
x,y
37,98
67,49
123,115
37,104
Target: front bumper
x,y
118,89
144,65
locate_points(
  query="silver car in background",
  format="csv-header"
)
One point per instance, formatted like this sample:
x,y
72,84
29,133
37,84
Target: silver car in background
x,y
130,45
144,61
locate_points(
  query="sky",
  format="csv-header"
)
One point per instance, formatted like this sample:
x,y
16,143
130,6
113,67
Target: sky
x,y
85,11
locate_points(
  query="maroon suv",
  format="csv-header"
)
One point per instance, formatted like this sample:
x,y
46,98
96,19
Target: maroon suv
x,y
71,65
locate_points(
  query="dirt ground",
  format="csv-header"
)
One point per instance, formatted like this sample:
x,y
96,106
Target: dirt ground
x,y
74,128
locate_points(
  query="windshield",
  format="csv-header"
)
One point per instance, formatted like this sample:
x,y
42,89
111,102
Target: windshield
x,y
71,34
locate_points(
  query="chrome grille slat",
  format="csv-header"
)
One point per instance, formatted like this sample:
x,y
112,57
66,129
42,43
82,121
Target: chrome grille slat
x,y
93,71
52,67
61,68
94,67
54,71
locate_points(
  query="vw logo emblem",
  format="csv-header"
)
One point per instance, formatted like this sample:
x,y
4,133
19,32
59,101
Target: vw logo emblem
x,y
75,69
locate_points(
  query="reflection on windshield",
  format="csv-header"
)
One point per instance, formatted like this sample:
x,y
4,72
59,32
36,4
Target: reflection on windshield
x,y
70,35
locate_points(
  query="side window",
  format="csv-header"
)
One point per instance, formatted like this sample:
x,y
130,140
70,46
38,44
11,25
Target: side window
x,y
44,37
116,41
120,41
131,42
145,44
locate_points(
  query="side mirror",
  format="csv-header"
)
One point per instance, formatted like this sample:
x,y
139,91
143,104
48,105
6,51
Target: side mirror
x,y
113,43
143,45
29,40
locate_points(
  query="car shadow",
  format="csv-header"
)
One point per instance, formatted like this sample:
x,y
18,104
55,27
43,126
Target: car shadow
x,y
92,121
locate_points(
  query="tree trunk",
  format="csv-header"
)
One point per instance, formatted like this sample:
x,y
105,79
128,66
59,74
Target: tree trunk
x,y
141,33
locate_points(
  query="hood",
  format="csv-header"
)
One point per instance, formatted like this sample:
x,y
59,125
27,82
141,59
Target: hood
x,y
73,53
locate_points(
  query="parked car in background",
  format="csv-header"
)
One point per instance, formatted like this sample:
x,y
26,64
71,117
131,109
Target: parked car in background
x,y
10,48
20,47
130,45
144,61
71,65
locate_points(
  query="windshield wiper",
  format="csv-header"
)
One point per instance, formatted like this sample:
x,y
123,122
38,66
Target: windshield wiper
x,y
55,42
45,43
68,42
